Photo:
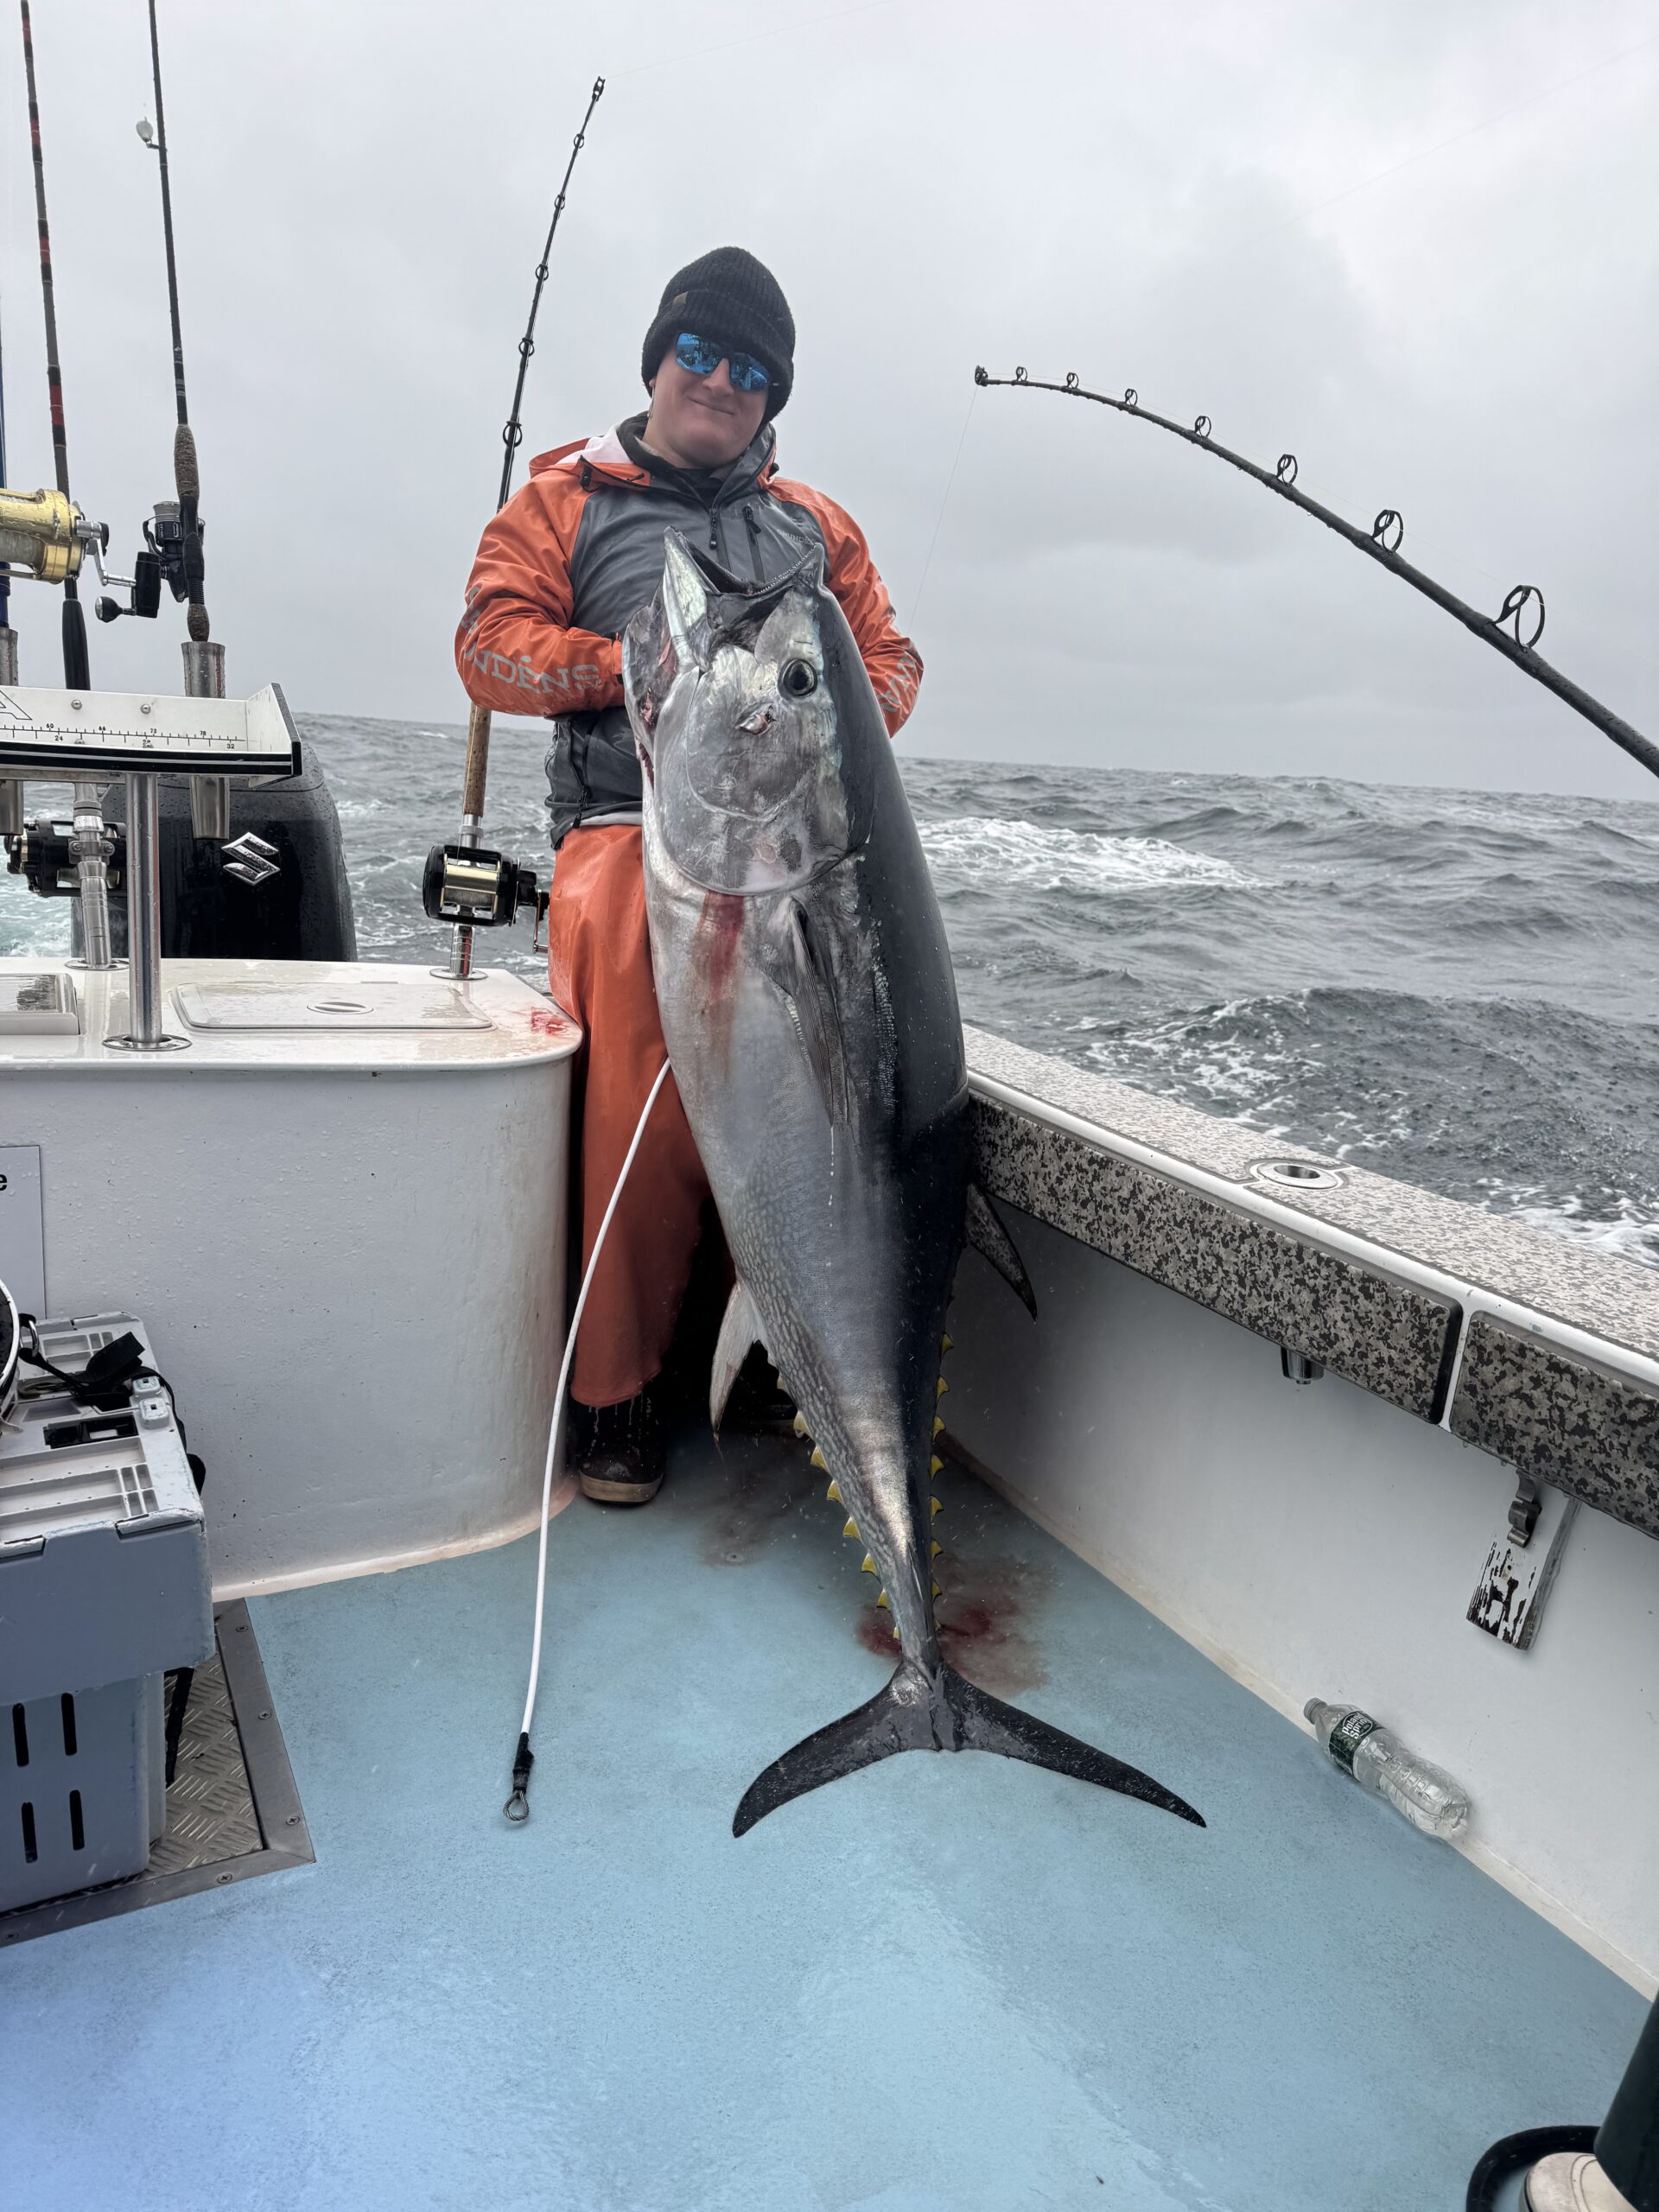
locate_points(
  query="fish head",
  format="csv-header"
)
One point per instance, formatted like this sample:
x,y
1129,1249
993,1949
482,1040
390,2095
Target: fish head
x,y
752,711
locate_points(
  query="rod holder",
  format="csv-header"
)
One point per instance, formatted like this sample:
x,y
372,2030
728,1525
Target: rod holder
x,y
210,796
145,1033
90,844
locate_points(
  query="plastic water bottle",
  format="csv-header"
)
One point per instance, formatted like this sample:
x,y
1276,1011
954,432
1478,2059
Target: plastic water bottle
x,y
1379,1762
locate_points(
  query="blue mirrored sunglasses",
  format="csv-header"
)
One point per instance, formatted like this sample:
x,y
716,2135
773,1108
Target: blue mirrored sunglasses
x,y
701,357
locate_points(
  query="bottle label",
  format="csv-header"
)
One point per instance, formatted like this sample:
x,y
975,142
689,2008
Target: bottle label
x,y
1348,1735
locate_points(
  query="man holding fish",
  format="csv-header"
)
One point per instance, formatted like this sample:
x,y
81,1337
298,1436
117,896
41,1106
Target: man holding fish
x,y
770,926
559,572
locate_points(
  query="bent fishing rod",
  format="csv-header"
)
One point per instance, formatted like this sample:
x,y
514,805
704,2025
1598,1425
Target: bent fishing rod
x,y
1382,543
463,884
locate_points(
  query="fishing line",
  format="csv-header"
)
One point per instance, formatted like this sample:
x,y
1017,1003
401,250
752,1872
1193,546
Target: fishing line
x,y
1439,146
1230,250
517,1808
939,523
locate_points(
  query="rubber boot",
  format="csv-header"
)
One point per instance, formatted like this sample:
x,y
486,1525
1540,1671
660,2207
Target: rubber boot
x,y
619,1452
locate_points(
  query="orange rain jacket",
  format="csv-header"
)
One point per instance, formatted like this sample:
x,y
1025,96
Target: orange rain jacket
x,y
572,555
559,572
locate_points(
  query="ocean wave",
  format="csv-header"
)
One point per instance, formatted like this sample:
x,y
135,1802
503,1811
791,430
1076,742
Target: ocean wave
x,y
1517,1106
1042,858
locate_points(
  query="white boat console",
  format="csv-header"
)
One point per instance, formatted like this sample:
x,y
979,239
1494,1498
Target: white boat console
x,y
341,1211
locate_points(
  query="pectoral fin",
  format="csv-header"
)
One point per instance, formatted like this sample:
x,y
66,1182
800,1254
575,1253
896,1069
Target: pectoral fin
x,y
739,1332
809,984
988,1237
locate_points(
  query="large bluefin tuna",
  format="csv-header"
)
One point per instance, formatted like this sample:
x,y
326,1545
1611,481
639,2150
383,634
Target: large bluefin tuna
x,y
811,1015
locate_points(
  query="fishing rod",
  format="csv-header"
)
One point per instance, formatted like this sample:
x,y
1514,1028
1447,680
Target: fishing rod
x,y
11,787
90,844
174,552
1382,543
76,671
8,635
463,884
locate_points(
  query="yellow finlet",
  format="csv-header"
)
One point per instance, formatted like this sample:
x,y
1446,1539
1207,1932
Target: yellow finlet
x,y
937,1593
935,1550
869,1565
938,1424
937,1504
946,1342
881,1602
851,1529
936,1465
940,1387
800,1425
818,1460
893,1633
834,1494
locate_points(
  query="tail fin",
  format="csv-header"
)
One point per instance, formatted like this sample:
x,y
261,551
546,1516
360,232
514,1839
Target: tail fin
x,y
950,1714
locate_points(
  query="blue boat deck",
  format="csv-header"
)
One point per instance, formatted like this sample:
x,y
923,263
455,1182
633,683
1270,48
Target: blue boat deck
x,y
944,1985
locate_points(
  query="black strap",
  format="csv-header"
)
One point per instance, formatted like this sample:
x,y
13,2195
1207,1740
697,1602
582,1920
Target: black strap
x,y
104,1383
177,1704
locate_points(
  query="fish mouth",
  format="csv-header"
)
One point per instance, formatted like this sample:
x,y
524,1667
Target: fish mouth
x,y
739,610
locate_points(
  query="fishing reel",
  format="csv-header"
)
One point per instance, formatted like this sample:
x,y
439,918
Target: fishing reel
x,y
44,853
172,555
485,890
46,535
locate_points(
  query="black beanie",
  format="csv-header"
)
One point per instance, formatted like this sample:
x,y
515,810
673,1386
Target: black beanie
x,y
729,297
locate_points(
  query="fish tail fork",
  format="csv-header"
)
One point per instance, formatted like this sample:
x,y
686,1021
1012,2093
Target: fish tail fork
x,y
945,1713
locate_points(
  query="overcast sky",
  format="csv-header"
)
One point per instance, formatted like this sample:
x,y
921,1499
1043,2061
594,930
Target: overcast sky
x,y
1414,242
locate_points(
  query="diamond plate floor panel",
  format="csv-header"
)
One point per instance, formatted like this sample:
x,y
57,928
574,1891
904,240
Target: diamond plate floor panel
x,y
232,1810
210,1814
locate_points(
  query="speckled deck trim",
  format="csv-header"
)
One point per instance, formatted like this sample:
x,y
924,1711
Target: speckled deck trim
x,y
1550,1410
1593,1290
1387,1335
1566,1419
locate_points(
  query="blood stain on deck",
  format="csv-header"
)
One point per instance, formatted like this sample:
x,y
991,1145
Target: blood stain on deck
x,y
987,1625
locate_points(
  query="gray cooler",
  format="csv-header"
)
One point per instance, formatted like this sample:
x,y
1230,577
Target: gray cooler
x,y
104,1586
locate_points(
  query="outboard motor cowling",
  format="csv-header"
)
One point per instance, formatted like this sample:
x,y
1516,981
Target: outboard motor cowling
x,y
302,910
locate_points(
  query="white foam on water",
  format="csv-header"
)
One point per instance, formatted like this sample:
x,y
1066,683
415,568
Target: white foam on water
x,y
1628,1234
1048,859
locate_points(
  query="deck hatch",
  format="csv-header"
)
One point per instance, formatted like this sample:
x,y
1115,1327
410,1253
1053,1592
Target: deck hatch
x,y
259,1003
232,1809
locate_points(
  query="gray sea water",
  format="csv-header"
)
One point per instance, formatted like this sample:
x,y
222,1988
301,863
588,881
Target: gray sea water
x,y
1456,988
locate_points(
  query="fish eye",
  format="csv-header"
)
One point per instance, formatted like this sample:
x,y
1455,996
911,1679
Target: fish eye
x,y
797,679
